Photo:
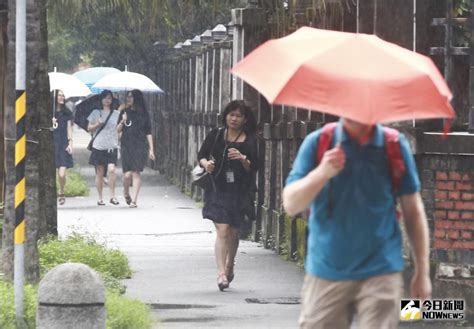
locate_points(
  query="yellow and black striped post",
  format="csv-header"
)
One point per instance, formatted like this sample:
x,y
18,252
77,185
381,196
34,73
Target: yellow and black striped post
x,y
20,159
20,153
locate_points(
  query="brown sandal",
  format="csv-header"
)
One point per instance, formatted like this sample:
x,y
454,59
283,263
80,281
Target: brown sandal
x,y
128,199
133,204
61,199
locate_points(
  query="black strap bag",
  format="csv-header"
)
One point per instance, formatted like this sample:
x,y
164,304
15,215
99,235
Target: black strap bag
x,y
200,177
89,146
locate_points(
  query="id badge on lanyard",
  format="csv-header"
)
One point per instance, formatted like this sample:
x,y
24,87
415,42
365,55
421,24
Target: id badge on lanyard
x,y
229,176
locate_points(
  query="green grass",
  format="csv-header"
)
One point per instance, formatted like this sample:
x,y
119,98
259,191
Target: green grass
x,y
76,185
122,312
112,264
7,308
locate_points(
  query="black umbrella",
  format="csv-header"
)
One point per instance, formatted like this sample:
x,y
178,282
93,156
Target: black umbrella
x,y
85,107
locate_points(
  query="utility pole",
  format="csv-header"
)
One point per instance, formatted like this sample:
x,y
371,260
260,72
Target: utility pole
x,y
20,160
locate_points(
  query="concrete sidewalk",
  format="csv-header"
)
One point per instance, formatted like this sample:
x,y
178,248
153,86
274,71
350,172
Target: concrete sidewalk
x,y
171,251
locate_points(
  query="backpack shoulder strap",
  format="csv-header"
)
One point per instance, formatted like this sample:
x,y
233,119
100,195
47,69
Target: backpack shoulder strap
x,y
325,139
394,156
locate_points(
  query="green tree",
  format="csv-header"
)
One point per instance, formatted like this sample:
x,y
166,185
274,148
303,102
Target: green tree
x,y
119,33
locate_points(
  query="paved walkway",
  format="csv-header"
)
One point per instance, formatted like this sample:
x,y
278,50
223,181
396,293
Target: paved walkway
x,y
170,248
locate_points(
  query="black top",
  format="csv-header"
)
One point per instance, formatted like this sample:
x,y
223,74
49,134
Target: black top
x,y
136,129
242,178
60,133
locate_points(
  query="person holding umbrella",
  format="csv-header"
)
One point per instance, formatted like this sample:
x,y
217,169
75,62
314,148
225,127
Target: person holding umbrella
x,y
354,259
136,143
103,125
62,124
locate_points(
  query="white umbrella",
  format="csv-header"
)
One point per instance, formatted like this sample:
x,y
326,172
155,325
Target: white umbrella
x,y
127,81
69,84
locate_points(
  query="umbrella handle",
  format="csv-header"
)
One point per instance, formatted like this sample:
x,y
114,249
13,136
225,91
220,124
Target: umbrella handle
x,y
55,123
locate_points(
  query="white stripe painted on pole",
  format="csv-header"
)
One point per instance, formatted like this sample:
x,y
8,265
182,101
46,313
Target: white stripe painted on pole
x,y
19,276
20,45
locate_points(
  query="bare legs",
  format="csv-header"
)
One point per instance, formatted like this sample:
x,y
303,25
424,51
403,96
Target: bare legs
x,y
62,179
128,177
111,178
62,183
227,242
99,180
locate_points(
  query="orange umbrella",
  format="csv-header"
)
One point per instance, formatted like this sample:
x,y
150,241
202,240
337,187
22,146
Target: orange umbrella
x,y
356,76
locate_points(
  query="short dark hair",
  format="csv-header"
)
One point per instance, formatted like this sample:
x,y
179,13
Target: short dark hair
x,y
250,125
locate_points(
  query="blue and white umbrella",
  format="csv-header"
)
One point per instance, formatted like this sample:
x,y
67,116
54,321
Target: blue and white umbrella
x,y
91,75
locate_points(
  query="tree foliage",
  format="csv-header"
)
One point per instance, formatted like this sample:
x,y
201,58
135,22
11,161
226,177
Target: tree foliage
x,y
122,32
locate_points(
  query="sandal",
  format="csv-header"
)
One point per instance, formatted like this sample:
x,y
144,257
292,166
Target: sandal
x,y
114,201
230,273
101,202
128,199
61,199
133,205
222,282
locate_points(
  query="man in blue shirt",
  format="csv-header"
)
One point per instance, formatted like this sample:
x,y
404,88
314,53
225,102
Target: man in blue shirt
x,y
354,259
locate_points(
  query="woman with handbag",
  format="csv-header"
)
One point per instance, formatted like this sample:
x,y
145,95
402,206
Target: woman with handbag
x,y
62,124
136,144
230,155
104,145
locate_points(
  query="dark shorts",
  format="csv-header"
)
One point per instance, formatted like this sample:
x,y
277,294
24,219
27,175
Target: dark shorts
x,y
103,158
224,207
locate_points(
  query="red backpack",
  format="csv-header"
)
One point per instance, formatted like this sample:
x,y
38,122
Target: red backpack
x,y
392,148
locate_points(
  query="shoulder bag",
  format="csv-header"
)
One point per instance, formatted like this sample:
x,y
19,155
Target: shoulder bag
x,y
89,146
202,178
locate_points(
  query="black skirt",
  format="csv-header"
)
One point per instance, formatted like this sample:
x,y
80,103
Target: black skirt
x,y
224,207
103,157
133,159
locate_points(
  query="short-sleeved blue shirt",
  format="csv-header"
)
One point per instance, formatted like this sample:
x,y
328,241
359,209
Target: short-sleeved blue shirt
x,y
360,237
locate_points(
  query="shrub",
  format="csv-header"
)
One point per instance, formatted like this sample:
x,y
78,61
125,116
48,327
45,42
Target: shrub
x,y
124,313
7,307
110,263
76,185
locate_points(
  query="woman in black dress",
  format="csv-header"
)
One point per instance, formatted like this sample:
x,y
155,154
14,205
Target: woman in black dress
x,y
233,163
62,122
136,144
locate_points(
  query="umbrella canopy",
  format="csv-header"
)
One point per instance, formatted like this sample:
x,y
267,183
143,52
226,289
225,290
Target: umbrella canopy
x,y
356,76
93,74
86,106
127,81
69,84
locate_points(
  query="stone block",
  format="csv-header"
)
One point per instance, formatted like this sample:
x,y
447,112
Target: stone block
x,y
71,296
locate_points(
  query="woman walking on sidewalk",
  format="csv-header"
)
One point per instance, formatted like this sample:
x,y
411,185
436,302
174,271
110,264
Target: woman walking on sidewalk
x,y
62,124
230,154
103,124
136,144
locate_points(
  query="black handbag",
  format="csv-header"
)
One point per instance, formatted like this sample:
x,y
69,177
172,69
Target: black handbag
x,y
91,143
202,178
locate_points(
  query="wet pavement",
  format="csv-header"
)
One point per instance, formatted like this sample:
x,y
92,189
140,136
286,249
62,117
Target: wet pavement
x,y
171,251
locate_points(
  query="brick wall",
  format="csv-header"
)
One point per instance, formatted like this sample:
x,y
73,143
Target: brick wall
x,y
448,192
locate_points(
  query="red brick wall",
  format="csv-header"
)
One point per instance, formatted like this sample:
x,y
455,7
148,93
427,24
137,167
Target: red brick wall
x,y
448,193
454,210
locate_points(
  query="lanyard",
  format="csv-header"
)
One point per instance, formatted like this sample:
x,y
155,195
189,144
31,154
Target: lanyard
x,y
235,140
